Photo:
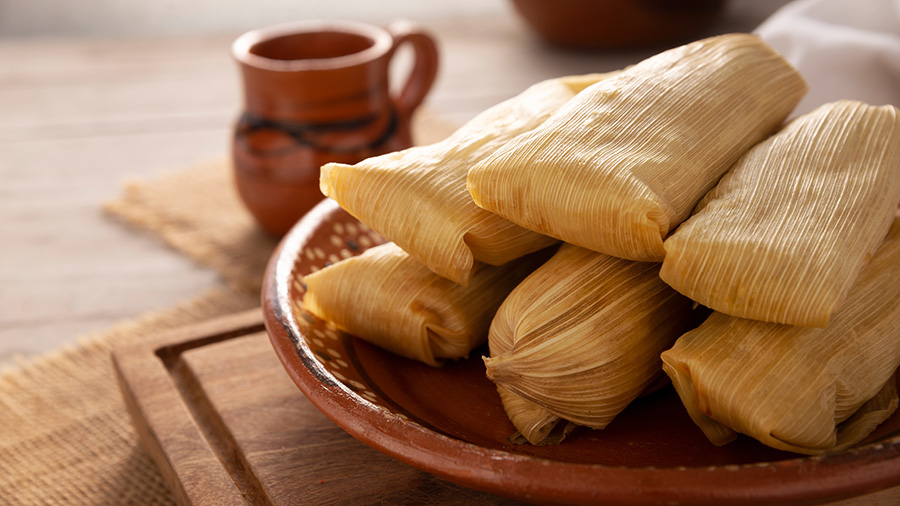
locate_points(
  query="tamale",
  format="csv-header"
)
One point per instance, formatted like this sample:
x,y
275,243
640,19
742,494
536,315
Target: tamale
x,y
417,197
801,389
580,338
624,162
391,300
784,234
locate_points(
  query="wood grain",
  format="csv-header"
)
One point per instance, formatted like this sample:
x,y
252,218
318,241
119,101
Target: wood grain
x,y
226,425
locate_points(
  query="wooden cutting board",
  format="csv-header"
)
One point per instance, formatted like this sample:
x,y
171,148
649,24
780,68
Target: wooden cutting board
x,y
220,417
226,426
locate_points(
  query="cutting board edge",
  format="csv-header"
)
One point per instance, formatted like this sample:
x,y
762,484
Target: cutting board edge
x,y
161,418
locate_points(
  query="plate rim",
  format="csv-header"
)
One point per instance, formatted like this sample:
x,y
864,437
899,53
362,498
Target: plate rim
x,y
851,473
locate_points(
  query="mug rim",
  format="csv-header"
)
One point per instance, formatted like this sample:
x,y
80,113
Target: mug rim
x,y
381,44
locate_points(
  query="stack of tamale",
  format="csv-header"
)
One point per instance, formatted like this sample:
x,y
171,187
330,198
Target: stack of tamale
x,y
396,296
682,159
790,249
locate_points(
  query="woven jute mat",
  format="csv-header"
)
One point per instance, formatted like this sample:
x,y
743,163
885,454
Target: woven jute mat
x,y
67,437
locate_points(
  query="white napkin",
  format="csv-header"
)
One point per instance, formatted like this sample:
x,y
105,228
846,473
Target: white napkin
x,y
843,48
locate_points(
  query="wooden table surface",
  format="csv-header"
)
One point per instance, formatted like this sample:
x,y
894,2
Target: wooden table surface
x,y
80,117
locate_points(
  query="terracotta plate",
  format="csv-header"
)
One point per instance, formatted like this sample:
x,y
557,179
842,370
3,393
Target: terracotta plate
x,y
449,421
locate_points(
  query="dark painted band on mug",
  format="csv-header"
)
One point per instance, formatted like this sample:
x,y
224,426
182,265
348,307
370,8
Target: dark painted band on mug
x,y
303,133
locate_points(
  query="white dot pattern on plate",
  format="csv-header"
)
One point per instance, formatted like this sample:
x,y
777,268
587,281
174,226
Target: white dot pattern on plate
x,y
330,245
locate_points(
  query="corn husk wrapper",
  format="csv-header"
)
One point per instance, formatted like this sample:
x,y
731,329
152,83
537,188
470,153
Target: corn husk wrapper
x,y
533,423
785,233
580,338
417,197
389,299
800,389
622,164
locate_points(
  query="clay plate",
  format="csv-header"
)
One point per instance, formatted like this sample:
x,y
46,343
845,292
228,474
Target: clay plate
x,y
448,421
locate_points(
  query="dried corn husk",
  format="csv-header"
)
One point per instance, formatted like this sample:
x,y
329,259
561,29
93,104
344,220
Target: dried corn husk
x,y
393,301
800,389
580,338
784,234
418,198
533,423
622,164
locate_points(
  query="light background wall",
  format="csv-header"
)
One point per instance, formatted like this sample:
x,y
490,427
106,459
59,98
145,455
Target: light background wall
x,y
116,18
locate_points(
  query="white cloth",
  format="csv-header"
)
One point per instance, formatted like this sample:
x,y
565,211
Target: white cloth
x,y
843,48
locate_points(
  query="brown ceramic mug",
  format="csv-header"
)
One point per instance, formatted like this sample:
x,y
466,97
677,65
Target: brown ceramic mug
x,y
317,92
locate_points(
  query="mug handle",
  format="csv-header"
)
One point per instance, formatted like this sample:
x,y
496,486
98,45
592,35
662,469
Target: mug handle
x,y
424,69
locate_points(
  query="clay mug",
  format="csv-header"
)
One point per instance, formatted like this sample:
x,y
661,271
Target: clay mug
x,y
318,92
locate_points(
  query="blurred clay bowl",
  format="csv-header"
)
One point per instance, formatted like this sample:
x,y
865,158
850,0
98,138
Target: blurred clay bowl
x,y
608,24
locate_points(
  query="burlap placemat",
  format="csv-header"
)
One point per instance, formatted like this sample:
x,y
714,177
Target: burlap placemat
x,y
197,211
66,436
